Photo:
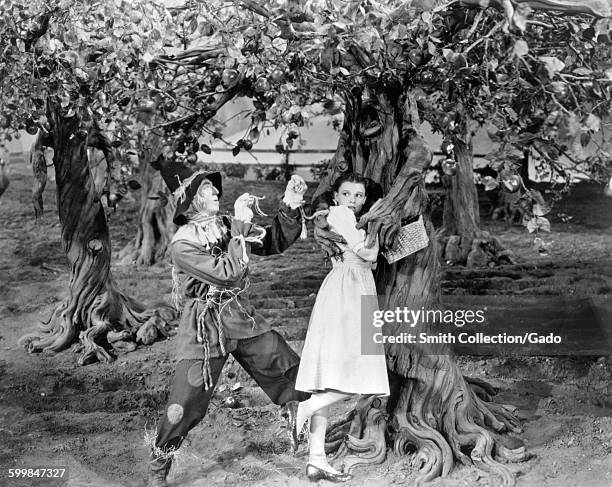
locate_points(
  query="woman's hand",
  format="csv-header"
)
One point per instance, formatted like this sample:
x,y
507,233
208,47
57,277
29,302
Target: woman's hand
x,y
294,193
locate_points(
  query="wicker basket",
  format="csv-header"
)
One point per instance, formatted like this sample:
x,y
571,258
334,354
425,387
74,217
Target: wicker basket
x,y
410,239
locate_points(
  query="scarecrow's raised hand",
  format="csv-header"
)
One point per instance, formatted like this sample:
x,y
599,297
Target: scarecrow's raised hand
x,y
383,220
242,208
294,193
244,205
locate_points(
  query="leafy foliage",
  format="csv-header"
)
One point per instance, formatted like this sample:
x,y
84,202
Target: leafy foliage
x,y
546,86
140,68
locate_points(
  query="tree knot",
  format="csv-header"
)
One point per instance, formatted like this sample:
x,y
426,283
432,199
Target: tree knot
x,y
94,245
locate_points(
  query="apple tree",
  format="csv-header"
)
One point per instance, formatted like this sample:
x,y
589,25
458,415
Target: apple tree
x,y
68,72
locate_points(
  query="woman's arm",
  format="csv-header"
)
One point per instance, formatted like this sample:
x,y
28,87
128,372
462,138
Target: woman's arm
x,y
369,254
343,220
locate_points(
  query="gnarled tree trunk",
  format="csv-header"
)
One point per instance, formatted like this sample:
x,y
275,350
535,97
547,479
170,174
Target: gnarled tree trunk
x,y
95,313
509,205
155,226
462,241
39,169
461,212
4,179
433,410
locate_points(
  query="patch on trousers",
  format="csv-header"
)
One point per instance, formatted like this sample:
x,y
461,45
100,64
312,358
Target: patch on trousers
x,y
175,413
194,375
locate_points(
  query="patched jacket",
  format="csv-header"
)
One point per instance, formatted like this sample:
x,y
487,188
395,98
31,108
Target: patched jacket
x,y
216,310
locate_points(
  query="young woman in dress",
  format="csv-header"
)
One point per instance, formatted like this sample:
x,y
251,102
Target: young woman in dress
x,y
332,366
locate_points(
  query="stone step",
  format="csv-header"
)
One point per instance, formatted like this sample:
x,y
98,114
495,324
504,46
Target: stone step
x,y
292,332
262,302
261,291
286,313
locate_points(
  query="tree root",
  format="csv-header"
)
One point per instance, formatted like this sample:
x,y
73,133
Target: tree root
x,y
508,207
434,422
55,335
128,255
443,419
481,388
112,323
142,254
417,429
482,250
340,428
337,432
359,438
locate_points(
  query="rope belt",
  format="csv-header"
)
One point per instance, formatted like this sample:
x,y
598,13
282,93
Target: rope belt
x,y
217,299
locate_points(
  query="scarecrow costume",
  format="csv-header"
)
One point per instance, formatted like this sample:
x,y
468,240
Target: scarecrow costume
x,y
210,273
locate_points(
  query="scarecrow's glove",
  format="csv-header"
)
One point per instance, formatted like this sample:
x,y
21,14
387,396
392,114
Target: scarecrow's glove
x,y
242,208
342,219
294,193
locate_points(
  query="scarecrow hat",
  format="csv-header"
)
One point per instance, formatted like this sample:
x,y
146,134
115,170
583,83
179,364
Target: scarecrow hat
x,y
184,182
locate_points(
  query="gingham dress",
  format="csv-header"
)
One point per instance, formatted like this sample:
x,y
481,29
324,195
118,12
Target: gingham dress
x,y
332,355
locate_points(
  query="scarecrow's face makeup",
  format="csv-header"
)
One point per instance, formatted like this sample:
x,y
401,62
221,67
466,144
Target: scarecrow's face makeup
x,y
351,195
206,199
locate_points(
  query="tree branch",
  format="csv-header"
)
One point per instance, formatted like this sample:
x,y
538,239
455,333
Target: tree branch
x,y
199,53
493,30
205,114
98,140
596,8
360,55
256,8
475,24
33,35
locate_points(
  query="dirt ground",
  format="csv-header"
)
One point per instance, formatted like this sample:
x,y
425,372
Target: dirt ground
x,y
93,419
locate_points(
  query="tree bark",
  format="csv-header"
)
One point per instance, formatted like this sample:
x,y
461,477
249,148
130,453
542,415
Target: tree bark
x,y
461,212
462,241
39,169
508,206
95,313
461,217
4,179
433,410
155,226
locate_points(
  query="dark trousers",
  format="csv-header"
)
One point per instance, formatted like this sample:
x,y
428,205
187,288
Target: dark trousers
x,y
267,358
